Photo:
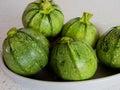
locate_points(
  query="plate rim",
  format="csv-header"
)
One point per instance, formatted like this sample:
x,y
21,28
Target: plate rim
x,y
7,71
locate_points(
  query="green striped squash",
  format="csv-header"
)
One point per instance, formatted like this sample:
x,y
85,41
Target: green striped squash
x,y
108,48
81,28
25,51
73,59
44,16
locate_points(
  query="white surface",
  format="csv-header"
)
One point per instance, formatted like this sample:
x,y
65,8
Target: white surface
x,y
107,83
106,15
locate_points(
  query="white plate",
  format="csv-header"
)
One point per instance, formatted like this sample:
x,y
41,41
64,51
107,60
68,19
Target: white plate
x,y
106,15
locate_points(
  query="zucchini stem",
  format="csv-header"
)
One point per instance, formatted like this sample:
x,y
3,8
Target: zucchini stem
x,y
12,32
65,40
46,7
86,17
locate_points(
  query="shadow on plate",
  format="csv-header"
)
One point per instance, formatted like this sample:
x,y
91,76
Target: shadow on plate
x,y
48,75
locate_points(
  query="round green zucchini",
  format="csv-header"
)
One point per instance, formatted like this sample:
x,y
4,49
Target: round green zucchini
x,y
25,51
73,59
44,16
108,48
81,28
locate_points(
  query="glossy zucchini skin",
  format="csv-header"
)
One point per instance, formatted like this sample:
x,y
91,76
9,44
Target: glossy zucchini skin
x,y
73,60
25,51
108,48
81,28
44,16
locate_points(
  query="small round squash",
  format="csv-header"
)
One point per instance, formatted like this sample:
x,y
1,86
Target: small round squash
x,y
73,59
108,48
25,51
44,16
81,28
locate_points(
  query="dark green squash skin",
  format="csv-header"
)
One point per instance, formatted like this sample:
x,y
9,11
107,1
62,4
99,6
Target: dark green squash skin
x,y
81,29
26,52
49,23
108,48
73,60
